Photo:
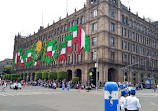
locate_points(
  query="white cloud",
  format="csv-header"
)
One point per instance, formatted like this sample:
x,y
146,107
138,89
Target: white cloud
x,y
25,16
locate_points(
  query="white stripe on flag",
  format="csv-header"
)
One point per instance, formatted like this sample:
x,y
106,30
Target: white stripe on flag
x,y
26,59
22,61
69,43
53,52
74,34
114,95
29,54
18,53
49,48
83,39
63,51
16,58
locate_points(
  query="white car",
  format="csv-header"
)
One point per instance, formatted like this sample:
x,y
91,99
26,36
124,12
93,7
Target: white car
x,y
16,86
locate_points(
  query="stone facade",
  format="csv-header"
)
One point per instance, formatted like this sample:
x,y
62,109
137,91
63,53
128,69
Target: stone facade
x,y
118,38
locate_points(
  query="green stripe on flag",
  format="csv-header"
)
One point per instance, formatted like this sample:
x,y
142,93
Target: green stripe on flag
x,y
48,60
28,51
69,37
20,49
64,45
87,43
73,28
51,43
54,48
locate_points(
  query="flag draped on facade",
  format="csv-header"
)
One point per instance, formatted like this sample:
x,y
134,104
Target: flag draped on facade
x,y
17,57
83,40
63,52
74,30
36,63
28,55
51,48
69,43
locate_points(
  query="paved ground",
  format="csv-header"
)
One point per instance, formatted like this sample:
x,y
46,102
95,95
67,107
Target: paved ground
x,y
42,99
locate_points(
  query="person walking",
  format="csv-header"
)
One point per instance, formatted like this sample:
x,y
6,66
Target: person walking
x,y
122,100
132,102
154,87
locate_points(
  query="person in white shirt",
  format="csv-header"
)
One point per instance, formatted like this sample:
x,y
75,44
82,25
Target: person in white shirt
x,y
122,100
132,102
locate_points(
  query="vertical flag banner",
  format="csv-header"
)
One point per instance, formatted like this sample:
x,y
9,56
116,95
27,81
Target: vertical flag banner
x,y
36,63
22,61
69,43
83,40
74,30
28,55
51,48
17,56
63,52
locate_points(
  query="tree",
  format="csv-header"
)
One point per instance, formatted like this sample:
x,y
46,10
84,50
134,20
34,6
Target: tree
x,y
61,75
19,79
7,69
75,79
14,76
52,75
44,75
156,76
38,75
7,76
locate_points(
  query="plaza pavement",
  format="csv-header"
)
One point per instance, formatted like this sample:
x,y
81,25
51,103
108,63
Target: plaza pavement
x,y
43,99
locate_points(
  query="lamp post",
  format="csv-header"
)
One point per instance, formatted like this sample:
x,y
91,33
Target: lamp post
x,y
96,65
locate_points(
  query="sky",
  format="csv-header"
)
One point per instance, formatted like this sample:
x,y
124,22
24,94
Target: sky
x,y
25,16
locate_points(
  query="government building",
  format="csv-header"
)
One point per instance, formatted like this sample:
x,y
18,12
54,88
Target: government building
x,y
122,46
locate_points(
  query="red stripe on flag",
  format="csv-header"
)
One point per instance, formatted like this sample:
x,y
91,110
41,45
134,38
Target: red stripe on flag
x,y
79,39
74,40
29,58
69,49
49,53
22,65
62,57
38,63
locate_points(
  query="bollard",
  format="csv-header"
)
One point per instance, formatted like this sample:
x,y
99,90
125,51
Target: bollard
x,y
121,86
111,96
68,86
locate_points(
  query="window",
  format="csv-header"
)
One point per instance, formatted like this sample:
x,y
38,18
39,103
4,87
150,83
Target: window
x,y
94,26
112,56
124,45
125,58
112,13
131,23
94,12
133,59
147,52
94,41
141,39
79,58
73,23
82,19
126,21
133,47
78,21
69,59
133,36
141,50
112,27
94,55
147,41
124,31
122,19
111,41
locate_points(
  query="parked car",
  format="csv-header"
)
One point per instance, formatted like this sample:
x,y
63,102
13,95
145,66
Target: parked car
x,y
16,86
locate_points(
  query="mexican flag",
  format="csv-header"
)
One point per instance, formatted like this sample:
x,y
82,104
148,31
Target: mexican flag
x,y
36,63
69,44
83,40
63,52
17,56
51,49
22,63
74,30
28,55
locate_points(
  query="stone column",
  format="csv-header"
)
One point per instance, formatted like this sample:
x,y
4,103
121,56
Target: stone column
x,y
105,74
120,75
85,74
130,76
101,72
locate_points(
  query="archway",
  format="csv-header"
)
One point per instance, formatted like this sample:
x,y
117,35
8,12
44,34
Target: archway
x,y
25,76
126,76
92,73
33,76
22,76
69,76
78,73
28,76
112,74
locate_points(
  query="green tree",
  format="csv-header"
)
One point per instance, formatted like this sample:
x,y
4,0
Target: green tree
x,y
156,76
44,75
61,75
7,69
52,75
14,76
7,76
75,79
38,75
19,79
